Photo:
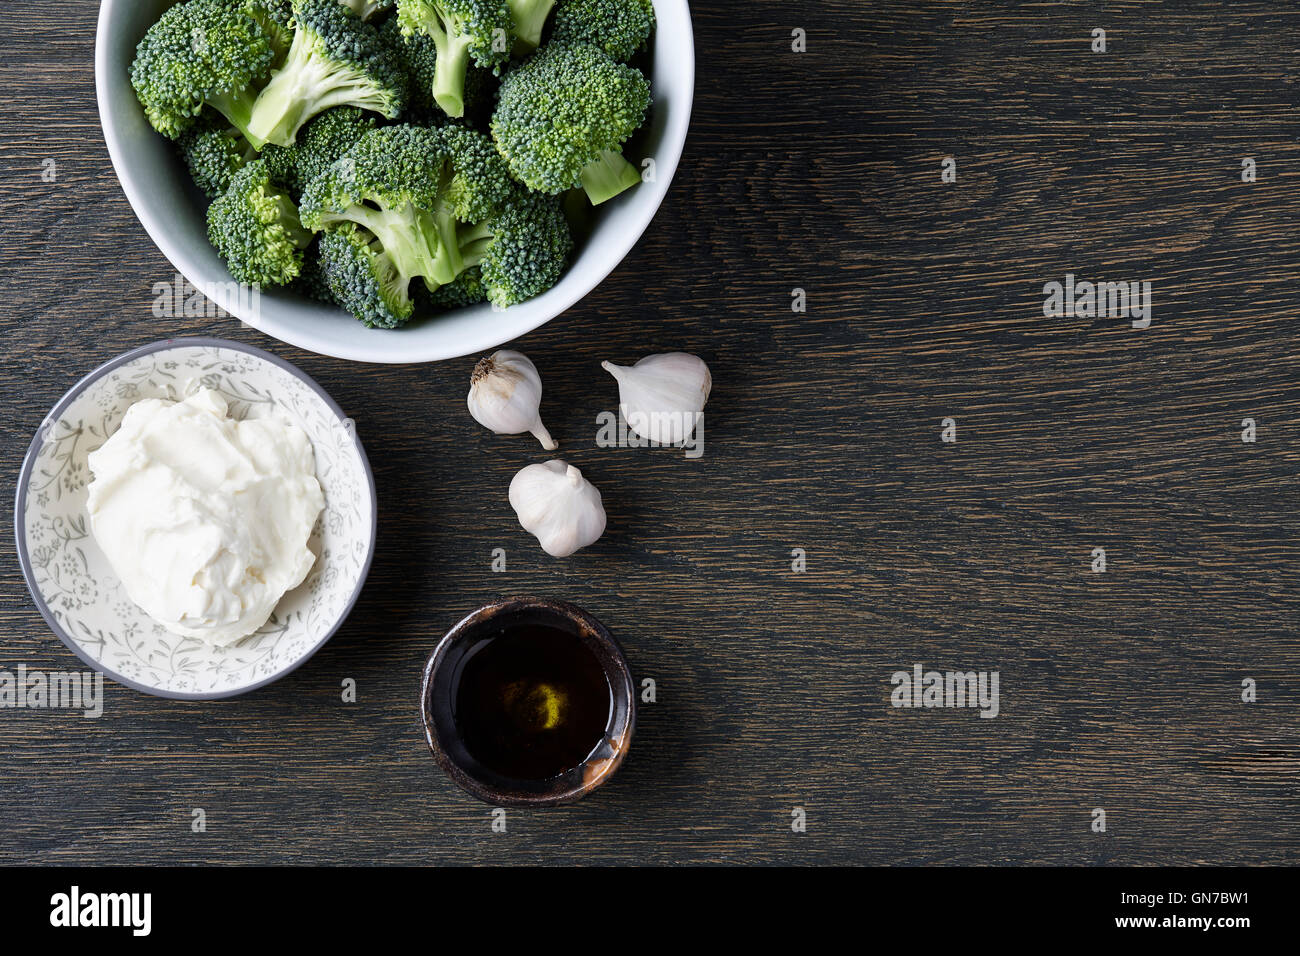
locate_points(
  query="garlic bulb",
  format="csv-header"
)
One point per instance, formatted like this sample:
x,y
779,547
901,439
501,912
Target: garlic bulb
x,y
505,393
557,505
662,396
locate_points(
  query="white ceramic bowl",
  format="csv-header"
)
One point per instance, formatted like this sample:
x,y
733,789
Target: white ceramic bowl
x,y
157,186
72,582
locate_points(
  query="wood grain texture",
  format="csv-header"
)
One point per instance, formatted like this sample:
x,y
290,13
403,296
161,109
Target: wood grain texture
x,y
821,171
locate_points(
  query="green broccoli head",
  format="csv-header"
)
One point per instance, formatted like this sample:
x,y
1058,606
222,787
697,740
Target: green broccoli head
x,y
255,227
415,190
320,143
562,118
336,59
364,279
201,53
524,250
214,151
528,18
461,30
619,27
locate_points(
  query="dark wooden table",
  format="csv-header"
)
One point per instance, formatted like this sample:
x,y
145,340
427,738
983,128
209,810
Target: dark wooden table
x,y
821,171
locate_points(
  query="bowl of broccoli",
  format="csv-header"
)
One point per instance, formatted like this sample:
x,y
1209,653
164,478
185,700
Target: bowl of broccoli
x,y
399,180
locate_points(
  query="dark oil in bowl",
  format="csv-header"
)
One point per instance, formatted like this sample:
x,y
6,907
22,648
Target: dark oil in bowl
x,y
532,702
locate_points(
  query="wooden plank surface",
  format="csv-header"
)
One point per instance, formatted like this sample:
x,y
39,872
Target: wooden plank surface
x,y
817,170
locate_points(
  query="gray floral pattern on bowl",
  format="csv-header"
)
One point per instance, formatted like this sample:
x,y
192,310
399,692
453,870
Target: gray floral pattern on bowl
x,y
76,589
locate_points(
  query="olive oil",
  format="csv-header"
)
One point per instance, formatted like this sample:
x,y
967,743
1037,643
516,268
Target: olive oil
x,y
532,702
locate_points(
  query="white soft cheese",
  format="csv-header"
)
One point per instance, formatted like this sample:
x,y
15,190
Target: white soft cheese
x,y
205,519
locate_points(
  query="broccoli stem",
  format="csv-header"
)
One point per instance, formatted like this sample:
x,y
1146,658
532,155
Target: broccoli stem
x,y
449,71
237,107
608,175
279,110
449,263
308,84
473,241
419,243
409,236
529,17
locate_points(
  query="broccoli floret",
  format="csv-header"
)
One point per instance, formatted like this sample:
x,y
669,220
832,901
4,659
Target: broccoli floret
x,y
364,279
562,118
619,27
465,290
523,250
462,30
417,54
514,256
408,202
320,143
214,151
336,59
256,229
416,191
528,17
204,52
365,9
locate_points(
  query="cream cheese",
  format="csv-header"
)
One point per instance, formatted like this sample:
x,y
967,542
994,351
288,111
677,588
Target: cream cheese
x,y
205,519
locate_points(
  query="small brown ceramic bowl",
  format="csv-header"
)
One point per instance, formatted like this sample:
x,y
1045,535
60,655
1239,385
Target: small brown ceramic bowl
x,y
442,675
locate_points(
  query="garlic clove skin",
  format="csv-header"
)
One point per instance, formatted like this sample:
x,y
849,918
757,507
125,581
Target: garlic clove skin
x,y
505,395
662,396
558,506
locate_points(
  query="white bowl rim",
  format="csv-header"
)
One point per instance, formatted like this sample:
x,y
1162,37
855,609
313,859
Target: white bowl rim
x,y
490,335
75,392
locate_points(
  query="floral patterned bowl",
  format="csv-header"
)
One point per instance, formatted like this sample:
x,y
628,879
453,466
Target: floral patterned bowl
x,y
75,588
